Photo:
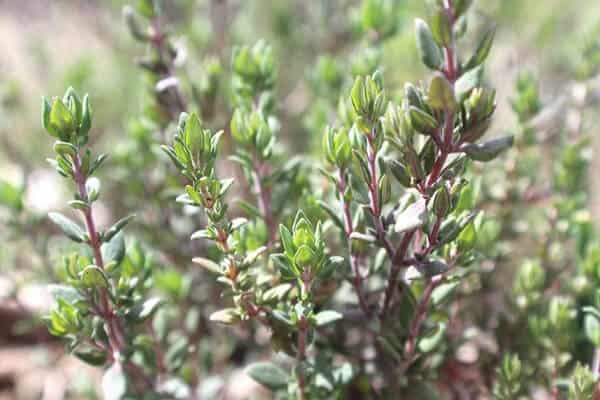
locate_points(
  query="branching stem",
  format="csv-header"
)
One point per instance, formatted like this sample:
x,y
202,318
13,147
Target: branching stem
x,y
114,329
357,280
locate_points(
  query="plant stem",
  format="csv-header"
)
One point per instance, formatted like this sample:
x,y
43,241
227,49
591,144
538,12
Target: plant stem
x,y
264,200
446,139
158,41
113,326
419,318
301,356
596,363
303,326
374,200
445,147
397,264
396,257
349,227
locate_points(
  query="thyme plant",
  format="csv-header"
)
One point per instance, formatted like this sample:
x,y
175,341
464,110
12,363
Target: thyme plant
x,y
348,276
104,299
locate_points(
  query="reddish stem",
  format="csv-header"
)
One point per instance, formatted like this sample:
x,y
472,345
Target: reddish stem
x,y
374,200
357,281
303,326
114,330
445,143
373,189
433,236
421,314
301,356
397,264
264,201
447,146
596,363
159,43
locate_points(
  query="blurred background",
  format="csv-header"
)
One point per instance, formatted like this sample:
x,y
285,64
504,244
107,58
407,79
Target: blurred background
x,y
48,45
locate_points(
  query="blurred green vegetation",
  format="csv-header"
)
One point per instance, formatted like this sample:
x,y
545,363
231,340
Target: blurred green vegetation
x,y
548,37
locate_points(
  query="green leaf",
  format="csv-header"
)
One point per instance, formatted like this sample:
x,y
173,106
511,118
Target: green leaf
x,y
268,375
193,135
61,121
467,238
441,201
451,228
116,227
11,196
145,310
67,293
78,205
332,214
98,161
362,164
114,383
441,293
430,342
226,185
114,250
207,264
304,256
441,29
461,6
46,109
68,227
357,94
276,293
287,241
92,186
433,267
326,317
489,150
169,151
412,217
147,8
483,50
227,316
253,255
64,148
91,355
201,234
467,82
429,51
93,277
71,100
236,223
86,118
283,317
593,311
413,164
441,93
421,121
363,237
592,329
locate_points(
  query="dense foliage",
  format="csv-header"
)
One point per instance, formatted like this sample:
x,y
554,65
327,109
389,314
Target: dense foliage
x,y
385,255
